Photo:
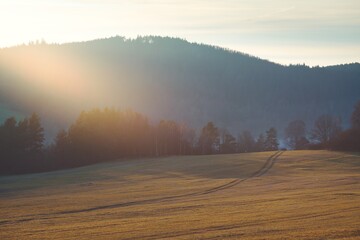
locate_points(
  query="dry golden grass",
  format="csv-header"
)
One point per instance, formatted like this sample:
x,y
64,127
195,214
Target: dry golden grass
x,y
297,195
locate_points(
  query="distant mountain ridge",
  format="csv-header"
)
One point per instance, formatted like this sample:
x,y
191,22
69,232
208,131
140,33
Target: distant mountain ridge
x,y
171,78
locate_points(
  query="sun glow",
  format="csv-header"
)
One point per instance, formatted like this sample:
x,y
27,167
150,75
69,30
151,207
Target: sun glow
x,y
53,76
48,71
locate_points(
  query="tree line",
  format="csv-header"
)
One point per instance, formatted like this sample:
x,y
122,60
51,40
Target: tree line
x,y
327,133
224,85
109,134
21,145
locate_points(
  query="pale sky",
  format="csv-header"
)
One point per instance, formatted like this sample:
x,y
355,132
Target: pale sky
x,y
314,32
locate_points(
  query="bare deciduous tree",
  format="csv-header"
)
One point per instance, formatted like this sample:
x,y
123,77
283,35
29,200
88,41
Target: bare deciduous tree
x,y
326,128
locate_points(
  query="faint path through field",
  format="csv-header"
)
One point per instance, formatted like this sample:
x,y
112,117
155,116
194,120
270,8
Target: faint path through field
x,y
263,170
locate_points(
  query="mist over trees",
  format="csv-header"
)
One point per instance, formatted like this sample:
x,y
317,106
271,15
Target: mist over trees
x,y
165,78
170,78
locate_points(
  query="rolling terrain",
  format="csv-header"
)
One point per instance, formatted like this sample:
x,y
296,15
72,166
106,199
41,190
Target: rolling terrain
x,y
269,195
170,78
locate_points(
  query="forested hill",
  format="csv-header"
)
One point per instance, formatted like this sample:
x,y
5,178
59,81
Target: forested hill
x,y
173,79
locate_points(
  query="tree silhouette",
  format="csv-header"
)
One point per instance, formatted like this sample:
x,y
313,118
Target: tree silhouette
x,y
108,134
295,134
260,143
246,142
228,143
349,140
21,144
169,138
271,142
35,135
326,128
61,148
248,90
188,137
209,139
355,117
8,139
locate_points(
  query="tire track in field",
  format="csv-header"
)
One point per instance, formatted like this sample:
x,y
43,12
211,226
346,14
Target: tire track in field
x,y
263,170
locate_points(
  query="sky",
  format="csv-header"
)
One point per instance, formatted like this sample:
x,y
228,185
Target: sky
x,y
314,32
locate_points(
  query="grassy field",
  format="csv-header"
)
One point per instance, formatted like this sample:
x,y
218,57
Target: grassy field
x,y
288,195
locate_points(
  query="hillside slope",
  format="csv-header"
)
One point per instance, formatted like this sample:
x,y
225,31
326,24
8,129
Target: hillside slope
x,y
301,195
171,78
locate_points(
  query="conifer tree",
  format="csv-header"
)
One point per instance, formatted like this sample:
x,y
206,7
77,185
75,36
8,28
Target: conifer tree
x,y
271,142
36,134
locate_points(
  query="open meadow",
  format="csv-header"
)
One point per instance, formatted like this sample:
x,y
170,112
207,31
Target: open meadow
x,y
268,195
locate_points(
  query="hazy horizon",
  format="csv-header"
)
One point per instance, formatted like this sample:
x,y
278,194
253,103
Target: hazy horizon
x,y
41,41
286,32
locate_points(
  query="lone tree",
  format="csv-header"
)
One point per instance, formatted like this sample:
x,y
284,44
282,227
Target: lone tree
x,y
209,139
326,128
355,117
295,134
271,142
